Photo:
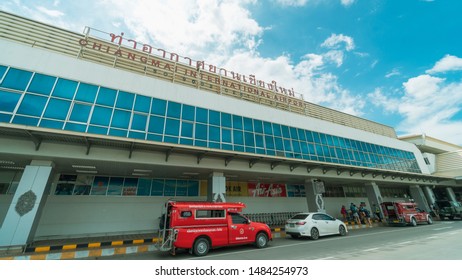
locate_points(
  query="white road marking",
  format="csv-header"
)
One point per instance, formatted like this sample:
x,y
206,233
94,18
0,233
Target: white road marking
x,y
371,249
441,228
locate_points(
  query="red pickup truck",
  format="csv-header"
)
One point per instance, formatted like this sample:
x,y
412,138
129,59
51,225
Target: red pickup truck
x,y
404,213
200,226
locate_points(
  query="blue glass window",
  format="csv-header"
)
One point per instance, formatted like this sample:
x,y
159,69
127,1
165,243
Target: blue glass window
x,y
5,117
75,127
136,135
118,132
65,88
25,120
42,84
16,79
193,189
267,128
172,127
285,131
115,186
169,188
99,186
9,100
237,122
226,135
278,143
202,115
225,120
156,124
57,109
106,96
259,141
214,117
201,131
238,137
269,141
139,122
125,100
101,116
277,130
142,103
248,124
214,133
80,113
301,134
293,133
97,130
52,124
187,129
258,126
2,71
174,110
32,105
157,187
86,93
249,139
144,187
121,119
158,107
188,113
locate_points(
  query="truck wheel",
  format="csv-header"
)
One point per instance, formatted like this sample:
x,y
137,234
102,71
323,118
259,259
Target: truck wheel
x,y
413,222
262,240
314,233
430,220
201,247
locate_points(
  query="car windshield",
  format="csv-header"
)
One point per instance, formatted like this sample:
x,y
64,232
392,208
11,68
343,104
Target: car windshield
x,y
300,217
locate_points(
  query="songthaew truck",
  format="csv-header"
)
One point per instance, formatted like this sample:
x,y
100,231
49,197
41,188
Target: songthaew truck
x,y
200,226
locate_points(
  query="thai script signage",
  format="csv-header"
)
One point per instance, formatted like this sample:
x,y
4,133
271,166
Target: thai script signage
x,y
186,70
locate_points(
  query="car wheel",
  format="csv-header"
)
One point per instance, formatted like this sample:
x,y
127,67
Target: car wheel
x,y
314,234
413,222
342,230
201,247
261,240
430,220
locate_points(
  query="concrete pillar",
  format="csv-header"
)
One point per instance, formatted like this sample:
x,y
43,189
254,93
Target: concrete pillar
x,y
451,195
314,189
418,195
23,216
374,196
429,194
216,187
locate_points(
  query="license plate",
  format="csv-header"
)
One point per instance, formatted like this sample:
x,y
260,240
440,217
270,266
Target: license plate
x,y
395,221
291,225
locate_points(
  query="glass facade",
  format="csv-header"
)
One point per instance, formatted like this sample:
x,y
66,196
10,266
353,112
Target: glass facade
x,y
35,99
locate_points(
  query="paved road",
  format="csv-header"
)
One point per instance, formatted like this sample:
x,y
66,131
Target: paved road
x,y
439,241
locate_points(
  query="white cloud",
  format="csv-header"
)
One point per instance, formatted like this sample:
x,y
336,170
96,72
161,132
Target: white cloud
x,y
393,72
334,42
427,105
335,56
293,3
447,63
347,2
50,13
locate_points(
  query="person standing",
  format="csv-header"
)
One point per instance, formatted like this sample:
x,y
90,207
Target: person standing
x,y
344,213
377,212
354,212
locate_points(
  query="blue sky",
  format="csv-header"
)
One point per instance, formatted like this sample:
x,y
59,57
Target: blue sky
x,y
395,62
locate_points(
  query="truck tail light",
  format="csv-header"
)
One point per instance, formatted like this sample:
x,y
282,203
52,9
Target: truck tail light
x,y
300,223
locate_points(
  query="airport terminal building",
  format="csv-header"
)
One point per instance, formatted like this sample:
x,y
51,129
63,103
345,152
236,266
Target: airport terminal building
x,y
98,131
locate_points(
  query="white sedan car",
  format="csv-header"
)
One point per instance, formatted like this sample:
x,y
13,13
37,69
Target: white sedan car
x,y
314,225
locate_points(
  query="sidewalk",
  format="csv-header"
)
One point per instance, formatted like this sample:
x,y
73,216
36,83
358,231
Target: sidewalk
x,y
78,248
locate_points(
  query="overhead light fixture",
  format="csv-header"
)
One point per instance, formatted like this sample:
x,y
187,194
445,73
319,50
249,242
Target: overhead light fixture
x,y
139,174
84,166
231,176
7,162
142,170
87,171
191,173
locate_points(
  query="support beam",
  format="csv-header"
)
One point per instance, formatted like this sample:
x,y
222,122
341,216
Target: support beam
x,y
167,154
228,160
132,147
88,144
274,164
200,157
252,162
37,140
293,166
